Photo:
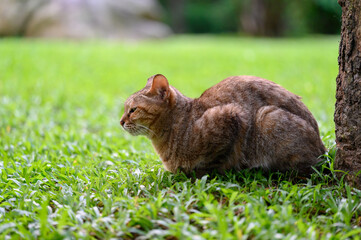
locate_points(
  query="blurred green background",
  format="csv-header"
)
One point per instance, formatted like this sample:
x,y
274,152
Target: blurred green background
x,y
68,170
254,17
134,19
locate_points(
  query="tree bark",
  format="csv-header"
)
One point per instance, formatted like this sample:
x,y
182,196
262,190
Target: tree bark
x,y
348,94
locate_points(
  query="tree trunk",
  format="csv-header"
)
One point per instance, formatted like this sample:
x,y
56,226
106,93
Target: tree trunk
x,y
348,95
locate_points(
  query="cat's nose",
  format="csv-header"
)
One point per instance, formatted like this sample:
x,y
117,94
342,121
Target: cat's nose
x,y
122,122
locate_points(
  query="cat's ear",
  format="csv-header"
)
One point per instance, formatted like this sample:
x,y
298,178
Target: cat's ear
x,y
159,86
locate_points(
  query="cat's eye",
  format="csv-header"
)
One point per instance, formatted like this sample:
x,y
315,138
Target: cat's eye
x,y
132,110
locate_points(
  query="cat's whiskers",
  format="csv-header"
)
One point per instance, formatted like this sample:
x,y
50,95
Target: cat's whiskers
x,y
137,129
142,131
122,100
146,129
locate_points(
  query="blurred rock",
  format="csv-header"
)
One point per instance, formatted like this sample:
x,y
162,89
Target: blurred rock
x,y
80,19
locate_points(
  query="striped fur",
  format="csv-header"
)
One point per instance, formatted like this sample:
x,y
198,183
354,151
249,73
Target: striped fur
x,y
241,122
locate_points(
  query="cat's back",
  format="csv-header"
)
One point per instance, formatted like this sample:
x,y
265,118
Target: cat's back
x,y
247,89
251,93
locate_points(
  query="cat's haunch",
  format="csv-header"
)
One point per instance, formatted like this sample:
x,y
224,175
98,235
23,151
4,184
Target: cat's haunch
x,y
241,122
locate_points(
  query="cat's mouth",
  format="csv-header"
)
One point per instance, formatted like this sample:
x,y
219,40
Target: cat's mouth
x,y
135,129
131,128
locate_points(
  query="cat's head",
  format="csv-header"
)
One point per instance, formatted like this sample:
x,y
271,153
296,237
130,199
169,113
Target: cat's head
x,y
145,108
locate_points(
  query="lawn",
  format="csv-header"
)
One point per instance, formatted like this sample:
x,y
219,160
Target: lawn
x,y
69,171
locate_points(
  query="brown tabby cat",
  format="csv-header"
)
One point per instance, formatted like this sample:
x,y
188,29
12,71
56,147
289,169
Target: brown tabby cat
x,y
241,122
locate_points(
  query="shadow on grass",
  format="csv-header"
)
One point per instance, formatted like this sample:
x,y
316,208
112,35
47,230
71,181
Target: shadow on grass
x,y
324,173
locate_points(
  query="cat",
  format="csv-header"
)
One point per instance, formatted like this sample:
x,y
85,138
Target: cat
x,y
241,122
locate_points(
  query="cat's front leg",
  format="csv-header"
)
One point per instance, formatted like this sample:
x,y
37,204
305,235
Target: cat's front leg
x,y
217,139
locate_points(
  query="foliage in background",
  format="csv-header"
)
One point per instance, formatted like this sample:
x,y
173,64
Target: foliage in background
x,y
212,16
312,16
225,16
67,170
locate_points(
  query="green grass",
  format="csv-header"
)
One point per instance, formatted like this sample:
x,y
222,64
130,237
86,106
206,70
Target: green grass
x,y
69,171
